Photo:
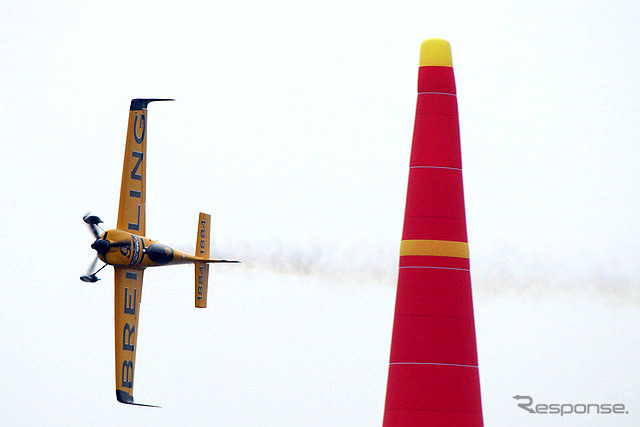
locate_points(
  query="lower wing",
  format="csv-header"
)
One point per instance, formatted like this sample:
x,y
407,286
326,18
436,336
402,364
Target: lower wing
x,y
127,296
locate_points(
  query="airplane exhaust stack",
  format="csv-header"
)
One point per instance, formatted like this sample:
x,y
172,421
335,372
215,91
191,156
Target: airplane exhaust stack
x,y
433,371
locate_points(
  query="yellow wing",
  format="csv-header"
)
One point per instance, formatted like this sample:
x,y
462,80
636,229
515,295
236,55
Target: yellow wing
x,y
128,292
133,189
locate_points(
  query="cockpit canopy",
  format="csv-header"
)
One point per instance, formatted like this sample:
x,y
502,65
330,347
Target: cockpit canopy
x,y
159,253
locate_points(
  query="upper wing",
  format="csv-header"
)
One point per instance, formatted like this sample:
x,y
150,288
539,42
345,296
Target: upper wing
x,y
133,189
128,292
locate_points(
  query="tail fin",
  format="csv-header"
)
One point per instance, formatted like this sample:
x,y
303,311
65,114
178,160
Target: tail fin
x,y
201,267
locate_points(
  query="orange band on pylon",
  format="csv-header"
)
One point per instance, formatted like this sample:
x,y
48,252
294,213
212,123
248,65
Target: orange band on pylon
x,y
434,248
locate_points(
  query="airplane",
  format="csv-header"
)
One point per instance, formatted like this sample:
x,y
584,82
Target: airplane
x,y
129,251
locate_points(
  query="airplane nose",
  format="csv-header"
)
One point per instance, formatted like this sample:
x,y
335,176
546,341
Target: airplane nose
x,y
101,246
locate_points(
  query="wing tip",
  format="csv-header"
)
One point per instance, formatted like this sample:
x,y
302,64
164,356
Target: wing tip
x,y
124,397
141,103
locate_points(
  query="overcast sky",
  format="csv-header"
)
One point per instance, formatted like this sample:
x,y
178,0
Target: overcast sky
x,y
292,127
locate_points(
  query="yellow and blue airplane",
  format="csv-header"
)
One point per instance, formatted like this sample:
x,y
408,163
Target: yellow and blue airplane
x,y
129,252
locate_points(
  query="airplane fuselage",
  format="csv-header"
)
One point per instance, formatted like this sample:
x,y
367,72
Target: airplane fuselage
x,y
138,251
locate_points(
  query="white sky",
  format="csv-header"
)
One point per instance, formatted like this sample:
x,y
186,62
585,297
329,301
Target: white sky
x,y
292,128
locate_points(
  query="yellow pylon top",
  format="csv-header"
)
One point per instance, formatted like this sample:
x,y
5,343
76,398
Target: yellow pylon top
x,y
435,52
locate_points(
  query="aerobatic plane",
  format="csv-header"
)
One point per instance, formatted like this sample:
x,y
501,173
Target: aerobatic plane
x,y
129,252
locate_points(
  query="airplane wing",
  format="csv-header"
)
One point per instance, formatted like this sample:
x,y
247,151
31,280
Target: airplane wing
x,y
133,194
127,296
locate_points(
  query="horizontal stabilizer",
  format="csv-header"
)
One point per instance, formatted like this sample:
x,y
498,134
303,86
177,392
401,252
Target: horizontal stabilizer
x,y
202,262
202,267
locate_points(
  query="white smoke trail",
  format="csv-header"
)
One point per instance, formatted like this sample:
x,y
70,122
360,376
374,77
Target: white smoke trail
x,y
377,263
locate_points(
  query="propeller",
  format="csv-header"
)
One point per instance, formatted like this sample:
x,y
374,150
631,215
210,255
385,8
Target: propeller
x,y
91,277
100,245
93,221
